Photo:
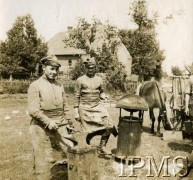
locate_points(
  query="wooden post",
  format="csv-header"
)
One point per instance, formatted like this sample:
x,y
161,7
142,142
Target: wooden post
x,y
82,163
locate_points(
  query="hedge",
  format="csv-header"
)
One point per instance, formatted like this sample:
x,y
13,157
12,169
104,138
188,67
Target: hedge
x,y
21,86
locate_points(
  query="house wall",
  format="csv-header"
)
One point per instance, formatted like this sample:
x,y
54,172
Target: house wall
x,y
67,62
124,58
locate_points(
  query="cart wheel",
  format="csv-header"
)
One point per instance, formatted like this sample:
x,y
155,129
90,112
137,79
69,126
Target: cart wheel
x,y
177,119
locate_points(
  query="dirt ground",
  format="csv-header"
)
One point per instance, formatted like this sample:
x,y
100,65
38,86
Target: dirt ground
x,y
16,151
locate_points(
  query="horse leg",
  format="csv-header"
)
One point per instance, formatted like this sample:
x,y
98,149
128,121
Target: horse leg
x,y
152,117
158,127
140,115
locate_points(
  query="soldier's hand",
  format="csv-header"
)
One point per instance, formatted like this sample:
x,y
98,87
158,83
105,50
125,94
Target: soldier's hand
x,y
70,128
187,111
106,99
52,126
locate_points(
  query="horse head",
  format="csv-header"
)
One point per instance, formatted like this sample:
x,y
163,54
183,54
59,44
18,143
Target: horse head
x,y
165,121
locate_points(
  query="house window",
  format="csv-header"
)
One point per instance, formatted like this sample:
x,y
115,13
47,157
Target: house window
x,y
61,73
69,63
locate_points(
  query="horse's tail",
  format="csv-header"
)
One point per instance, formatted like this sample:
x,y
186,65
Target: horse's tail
x,y
163,109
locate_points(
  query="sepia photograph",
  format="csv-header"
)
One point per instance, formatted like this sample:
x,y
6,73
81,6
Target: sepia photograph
x,y
96,89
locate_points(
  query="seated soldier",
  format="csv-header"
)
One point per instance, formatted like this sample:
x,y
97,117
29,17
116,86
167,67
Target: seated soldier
x,y
88,108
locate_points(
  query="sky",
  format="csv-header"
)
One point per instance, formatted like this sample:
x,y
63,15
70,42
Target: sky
x,y
175,33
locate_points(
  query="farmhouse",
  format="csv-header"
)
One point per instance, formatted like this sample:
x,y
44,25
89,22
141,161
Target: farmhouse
x,y
70,55
67,55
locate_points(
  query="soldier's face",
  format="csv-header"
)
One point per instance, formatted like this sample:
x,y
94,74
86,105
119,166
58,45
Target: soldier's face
x,y
90,71
51,72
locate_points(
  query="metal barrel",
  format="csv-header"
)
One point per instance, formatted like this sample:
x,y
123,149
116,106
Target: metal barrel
x,y
129,136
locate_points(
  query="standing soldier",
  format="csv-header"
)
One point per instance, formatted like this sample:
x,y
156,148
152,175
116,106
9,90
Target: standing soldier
x,y
189,109
47,106
88,108
187,166
189,98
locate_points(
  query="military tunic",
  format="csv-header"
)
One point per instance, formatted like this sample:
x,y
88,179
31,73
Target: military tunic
x,y
88,93
46,103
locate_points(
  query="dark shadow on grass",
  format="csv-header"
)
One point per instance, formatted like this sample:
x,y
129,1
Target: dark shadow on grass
x,y
148,130
124,161
180,147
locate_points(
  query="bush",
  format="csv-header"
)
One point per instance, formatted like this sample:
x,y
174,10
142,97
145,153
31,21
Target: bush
x,y
129,88
69,87
18,86
14,87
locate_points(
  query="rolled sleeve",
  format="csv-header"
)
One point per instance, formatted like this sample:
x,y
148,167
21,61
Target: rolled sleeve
x,y
34,105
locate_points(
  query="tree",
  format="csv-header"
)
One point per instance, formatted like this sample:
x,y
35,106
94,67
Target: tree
x,y
22,49
142,43
100,41
176,71
189,69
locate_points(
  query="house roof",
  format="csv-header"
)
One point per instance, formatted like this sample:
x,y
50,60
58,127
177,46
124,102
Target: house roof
x,y
56,46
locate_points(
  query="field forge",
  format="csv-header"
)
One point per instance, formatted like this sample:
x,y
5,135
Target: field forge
x,y
16,152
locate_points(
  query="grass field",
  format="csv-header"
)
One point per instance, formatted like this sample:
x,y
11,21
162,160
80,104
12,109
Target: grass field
x,y
16,158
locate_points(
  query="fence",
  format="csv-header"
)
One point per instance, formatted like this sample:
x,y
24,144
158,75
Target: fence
x,y
131,86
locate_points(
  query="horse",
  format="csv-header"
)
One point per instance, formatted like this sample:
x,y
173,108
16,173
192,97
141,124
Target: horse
x,y
156,98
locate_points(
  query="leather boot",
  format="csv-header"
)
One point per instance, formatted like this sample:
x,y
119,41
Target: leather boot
x,y
103,142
